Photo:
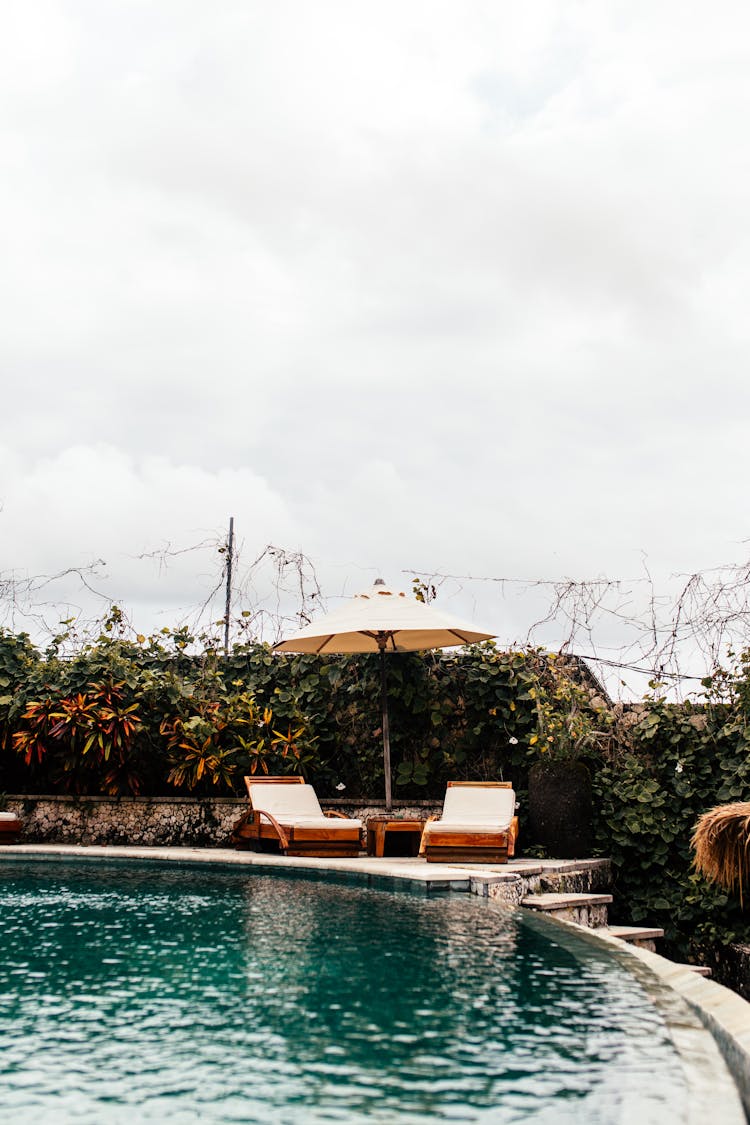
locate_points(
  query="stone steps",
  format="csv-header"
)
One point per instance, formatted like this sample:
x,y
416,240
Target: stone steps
x,y
519,878
590,910
645,937
583,909
575,880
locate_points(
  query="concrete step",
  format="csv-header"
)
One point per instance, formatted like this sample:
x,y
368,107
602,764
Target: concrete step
x,y
585,909
645,937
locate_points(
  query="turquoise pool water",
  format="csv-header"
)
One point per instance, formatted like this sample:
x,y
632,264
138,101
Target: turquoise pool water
x,y
148,993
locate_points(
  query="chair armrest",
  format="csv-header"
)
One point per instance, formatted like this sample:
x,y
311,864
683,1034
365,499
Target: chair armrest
x,y
422,841
512,837
283,838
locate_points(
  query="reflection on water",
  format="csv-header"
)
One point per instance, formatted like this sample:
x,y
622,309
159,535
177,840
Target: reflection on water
x,y
148,994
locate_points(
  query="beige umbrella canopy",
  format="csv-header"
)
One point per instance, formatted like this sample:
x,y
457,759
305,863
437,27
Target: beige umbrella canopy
x,y
383,620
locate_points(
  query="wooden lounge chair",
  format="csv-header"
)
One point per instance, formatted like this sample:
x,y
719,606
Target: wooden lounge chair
x,y
478,824
10,828
285,813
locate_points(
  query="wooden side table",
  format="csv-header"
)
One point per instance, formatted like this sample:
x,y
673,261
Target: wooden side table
x,y
378,827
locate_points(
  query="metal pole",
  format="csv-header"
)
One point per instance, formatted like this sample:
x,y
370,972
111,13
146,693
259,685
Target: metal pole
x,y
230,549
386,732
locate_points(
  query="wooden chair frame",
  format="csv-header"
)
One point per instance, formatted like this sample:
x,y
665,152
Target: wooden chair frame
x,y
258,828
470,847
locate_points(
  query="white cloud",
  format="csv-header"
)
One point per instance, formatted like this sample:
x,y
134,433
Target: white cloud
x,y
94,503
460,287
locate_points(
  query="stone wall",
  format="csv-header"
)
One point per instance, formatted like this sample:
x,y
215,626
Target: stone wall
x,y
730,965
165,821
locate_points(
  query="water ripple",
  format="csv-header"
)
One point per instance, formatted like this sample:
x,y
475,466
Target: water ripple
x,y
134,994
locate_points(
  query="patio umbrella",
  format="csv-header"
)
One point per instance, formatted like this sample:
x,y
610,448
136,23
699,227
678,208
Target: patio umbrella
x,y
383,620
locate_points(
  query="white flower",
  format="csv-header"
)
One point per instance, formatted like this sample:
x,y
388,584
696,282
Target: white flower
x,y
513,742
678,768
341,787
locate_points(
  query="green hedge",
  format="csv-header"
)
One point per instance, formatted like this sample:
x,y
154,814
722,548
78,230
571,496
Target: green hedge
x,y
671,765
150,716
146,716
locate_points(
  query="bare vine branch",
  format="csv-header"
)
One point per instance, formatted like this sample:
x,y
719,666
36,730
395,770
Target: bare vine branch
x,y
683,635
678,635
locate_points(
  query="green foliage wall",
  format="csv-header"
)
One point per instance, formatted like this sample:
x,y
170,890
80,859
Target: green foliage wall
x,y
671,764
123,716
148,716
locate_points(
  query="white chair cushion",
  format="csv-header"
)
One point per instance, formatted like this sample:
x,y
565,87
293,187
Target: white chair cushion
x,y
283,801
472,828
335,822
475,806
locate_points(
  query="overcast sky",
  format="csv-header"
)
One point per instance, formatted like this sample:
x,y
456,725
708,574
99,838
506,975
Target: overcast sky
x,y
460,287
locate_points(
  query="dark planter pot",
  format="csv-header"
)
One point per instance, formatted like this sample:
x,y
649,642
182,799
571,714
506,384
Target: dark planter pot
x,y
560,808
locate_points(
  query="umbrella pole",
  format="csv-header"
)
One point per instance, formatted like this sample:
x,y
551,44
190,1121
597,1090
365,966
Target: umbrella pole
x,y
386,732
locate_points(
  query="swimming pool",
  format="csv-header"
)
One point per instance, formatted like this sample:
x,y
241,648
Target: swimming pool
x,y
147,993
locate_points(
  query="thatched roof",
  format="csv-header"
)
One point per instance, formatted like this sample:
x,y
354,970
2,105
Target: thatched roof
x,y
721,842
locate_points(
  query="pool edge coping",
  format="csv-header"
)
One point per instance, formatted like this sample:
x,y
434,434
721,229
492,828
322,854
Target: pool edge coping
x,y
414,871
725,1016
